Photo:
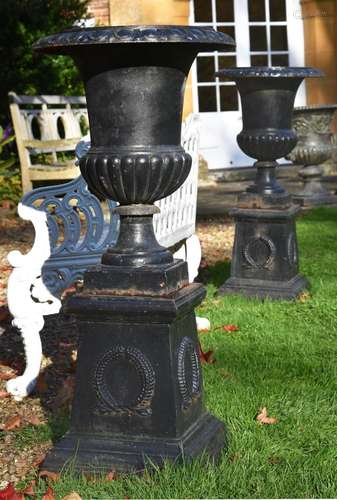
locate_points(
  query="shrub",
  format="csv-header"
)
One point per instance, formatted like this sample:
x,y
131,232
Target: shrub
x,y
10,180
23,22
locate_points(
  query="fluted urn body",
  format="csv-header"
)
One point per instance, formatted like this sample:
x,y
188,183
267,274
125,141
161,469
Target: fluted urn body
x,y
267,100
315,146
139,394
265,252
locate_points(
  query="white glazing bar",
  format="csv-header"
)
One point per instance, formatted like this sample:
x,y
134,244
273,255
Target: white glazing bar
x,y
216,57
195,99
296,43
267,10
242,32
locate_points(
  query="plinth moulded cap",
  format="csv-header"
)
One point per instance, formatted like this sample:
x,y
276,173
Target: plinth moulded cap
x,y
269,72
205,37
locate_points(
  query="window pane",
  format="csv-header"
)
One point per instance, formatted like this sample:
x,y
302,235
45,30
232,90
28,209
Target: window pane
x,y
279,39
202,11
280,60
205,69
228,98
207,99
259,60
224,11
258,38
256,10
228,30
277,9
227,62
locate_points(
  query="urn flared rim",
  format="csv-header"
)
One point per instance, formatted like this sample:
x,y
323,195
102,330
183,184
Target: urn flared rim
x,y
204,37
315,107
270,72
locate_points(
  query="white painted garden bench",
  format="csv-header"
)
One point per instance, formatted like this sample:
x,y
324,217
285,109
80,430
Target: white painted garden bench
x,y
72,229
47,128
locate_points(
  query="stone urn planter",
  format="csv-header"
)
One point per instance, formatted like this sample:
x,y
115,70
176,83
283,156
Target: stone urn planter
x,y
265,253
139,393
315,146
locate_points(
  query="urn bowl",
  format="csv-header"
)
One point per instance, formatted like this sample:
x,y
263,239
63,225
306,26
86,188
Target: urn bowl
x,y
267,99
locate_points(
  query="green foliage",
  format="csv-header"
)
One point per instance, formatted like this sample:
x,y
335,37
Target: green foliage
x,y
10,179
23,22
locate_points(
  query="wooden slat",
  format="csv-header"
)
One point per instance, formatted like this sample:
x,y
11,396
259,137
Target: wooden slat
x,y
53,145
42,173
46,99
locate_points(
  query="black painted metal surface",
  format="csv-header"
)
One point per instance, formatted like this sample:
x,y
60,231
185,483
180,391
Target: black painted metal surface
x,y
265,253
139,389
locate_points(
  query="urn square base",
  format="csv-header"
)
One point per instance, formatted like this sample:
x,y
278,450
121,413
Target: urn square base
x,y
322,199
265,255
98,454
139,392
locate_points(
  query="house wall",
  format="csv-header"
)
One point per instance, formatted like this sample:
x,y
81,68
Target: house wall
x,y
100,10
320,46
120,12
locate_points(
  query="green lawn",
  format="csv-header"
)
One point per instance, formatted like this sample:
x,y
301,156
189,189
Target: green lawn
x,y
284,357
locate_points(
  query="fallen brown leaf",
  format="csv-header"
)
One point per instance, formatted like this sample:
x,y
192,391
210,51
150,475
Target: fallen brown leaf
x,y
4,394
12,423
49,495
72,496
263,418
34,420
206,357
111,475
9,493
30,489
54,476
230,328
38,460
303,297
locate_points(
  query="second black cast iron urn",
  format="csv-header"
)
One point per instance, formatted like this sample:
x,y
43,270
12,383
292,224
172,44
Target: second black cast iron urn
x,y
265,253
139,391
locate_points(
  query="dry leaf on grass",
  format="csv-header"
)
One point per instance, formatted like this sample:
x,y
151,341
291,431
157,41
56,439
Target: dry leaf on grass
x,y
303,297
263,418
72,496
111,475
54,476
33,420
9,493
38,460
230,328
206,357
30,489
12,423
49,495
4,394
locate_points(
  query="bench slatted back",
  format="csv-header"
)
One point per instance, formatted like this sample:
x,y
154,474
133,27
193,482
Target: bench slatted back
x,y
50,125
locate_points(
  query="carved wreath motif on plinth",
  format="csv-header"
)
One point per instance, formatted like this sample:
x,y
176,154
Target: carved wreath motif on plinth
x,y
108,395
189,387
260,252
292,249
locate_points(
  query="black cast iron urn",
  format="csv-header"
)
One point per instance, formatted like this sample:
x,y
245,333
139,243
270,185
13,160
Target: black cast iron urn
x,y
265,253
138,394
